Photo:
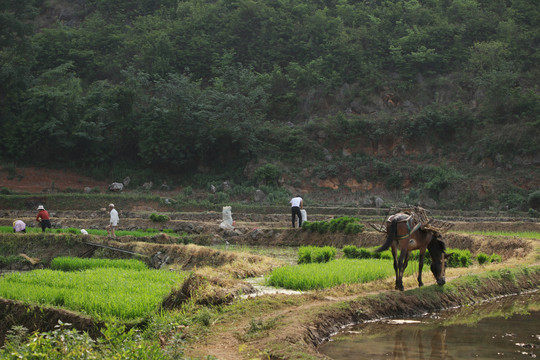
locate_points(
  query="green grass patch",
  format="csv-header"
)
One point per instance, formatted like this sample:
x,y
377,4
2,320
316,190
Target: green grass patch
x,y
104,293
66,263
11,259
342,271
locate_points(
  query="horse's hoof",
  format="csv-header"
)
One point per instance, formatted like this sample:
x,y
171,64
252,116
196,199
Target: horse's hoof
x,y
420,284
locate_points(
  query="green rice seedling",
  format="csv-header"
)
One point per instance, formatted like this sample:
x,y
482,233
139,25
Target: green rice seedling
x,y
307,225
520,234
99,232
352,228
309,254
65,263
482,258
304,255
353,252
9,229
350,251
348,225
159,217
342,271
461,258
323,254
322,227
104,293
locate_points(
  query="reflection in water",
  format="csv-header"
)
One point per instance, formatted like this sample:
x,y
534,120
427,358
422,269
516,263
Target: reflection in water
x,y
413,348
506,329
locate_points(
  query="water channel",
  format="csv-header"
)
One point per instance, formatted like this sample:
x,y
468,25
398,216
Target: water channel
x,y
506,328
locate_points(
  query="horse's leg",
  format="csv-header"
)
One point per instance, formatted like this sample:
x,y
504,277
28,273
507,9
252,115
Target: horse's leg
x,y
396,268
403,254
420,266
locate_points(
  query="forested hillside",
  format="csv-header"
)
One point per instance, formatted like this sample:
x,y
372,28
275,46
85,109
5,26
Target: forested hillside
x,y
419,100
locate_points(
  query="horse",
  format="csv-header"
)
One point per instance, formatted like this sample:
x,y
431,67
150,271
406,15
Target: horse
x,y
403,233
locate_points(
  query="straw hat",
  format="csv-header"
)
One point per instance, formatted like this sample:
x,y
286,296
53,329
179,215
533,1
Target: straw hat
x,y
40,207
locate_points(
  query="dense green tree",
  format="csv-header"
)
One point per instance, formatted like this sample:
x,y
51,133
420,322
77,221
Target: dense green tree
x,y
50,116
193,84
16,60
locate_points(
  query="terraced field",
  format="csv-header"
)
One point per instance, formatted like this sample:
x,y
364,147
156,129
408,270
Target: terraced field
x,y
221,301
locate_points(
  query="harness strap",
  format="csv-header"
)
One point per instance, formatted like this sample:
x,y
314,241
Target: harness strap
x,y
418,226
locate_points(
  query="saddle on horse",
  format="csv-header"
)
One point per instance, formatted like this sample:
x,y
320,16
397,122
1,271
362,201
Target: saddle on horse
x,y
416,218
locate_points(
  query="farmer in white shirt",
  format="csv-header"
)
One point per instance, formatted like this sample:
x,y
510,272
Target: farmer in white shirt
x,y
296,204
113,224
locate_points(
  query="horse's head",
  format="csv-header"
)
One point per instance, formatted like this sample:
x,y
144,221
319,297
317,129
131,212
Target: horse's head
x,y
437,250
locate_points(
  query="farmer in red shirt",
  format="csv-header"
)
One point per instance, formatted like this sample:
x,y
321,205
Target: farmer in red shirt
x,y
43,218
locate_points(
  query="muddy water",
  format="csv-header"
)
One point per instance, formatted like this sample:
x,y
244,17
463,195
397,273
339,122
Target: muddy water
x,y
507,328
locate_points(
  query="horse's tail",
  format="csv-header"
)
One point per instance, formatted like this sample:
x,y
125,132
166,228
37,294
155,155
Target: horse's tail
x,y
390,235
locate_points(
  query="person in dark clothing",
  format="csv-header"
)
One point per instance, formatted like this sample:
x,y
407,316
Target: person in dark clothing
x,y
296,204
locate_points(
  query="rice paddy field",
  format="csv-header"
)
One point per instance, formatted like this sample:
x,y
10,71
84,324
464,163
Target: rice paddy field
x,y
342,271
104,289
518,234
98,232
220,316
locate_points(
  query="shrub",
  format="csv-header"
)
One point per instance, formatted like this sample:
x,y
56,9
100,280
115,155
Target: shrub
x,y
534,200
513,200
159,217
267,174
495,258
219,198
533,213
64,343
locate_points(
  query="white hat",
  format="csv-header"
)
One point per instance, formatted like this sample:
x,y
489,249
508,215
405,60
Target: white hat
x,y
111,205
40,207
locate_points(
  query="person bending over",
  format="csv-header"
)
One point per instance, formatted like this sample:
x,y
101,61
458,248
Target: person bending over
x,y
296,204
